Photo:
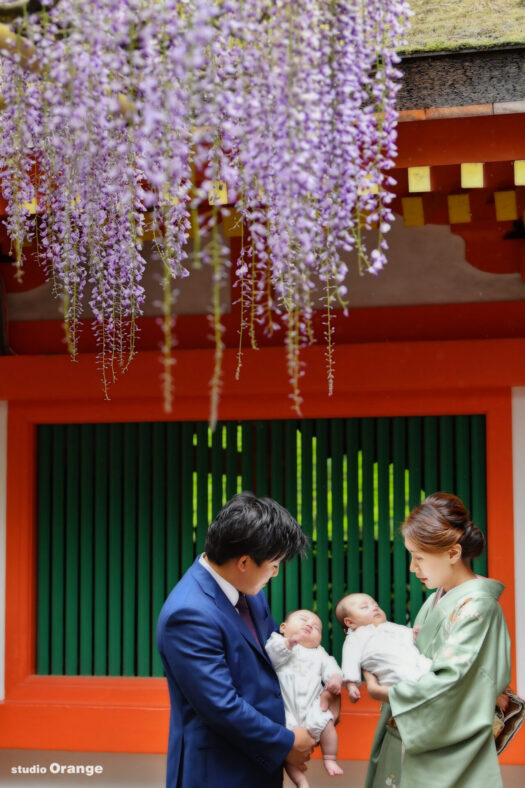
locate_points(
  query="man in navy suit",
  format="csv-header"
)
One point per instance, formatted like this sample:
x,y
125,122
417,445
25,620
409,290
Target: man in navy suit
x,y
227,715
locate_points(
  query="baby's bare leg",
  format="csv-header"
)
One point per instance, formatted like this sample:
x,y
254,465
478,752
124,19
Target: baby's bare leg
x,y
329,750
296,775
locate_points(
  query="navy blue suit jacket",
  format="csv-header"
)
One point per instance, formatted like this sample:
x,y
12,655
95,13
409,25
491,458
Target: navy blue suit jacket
x,y
227,714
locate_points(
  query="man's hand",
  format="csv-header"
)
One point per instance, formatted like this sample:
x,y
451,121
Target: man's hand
x,y
302,749
331,701
375,689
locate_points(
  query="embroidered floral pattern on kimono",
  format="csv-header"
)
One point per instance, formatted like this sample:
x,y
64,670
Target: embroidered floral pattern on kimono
x,y
444,720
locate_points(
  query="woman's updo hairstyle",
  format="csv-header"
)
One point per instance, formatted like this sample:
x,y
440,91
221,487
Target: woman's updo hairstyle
x,y
440,522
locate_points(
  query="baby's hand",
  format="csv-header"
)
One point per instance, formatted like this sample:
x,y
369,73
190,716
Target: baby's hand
x,y
353,691
333,684
291,642
415,631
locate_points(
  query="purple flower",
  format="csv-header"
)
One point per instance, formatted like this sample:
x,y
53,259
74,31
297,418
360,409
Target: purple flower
x,y
290,104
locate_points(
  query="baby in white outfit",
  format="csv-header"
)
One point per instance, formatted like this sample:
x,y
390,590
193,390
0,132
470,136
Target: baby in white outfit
x,y
304,669
372,643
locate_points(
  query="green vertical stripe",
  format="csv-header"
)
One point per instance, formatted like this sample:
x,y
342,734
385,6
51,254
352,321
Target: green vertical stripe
x,y
479,488
202,485
337,545
463,459
384,571
115,517
291,574
431,459
353,539
186,492
57,551
276,587
446,454
173,520
400,559
307,564
144,550
232,459
87,461
72,550
129,548
322,578
260,456
158,543
100,624
216,471
369,558
247,458
415,479
44,436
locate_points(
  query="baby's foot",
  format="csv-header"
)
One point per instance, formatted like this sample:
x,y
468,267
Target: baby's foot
x,y
332,767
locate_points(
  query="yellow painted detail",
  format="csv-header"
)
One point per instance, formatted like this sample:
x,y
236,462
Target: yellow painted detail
x,y
459,208
168,196
413,213
519,173
472,175
30,206
419,179
506,206
367,187
219,194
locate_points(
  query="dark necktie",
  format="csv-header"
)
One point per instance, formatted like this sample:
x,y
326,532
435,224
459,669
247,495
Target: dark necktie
x,y
244,612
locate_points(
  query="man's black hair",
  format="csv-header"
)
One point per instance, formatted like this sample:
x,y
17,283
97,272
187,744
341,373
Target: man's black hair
x,y
258,527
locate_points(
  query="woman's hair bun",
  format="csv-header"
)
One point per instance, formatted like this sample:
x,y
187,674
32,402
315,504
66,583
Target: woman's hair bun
x,y
440,522
472,541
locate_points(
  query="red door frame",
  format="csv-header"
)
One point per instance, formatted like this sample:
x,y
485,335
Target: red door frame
x,y
400,379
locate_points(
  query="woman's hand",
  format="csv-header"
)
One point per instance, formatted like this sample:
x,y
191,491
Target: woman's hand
x,y
503,702
375,689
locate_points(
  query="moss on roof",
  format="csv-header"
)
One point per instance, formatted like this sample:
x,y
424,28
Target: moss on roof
x,y
444,25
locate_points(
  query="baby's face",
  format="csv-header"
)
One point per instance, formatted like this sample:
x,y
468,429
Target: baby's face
x,y
305,626
362,610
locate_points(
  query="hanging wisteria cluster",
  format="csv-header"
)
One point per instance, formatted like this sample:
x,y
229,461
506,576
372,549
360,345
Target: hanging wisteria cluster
x,y
118,111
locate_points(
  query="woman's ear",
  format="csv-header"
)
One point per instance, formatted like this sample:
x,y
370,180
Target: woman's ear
x,y
455,553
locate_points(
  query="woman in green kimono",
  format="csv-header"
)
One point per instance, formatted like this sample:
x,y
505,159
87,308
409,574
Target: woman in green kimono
x,y
437,731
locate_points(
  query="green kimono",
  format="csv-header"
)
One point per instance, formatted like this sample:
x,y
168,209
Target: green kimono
x,y
445,719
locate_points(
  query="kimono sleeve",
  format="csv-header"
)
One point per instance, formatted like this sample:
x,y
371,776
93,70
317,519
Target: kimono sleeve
x,y
455,700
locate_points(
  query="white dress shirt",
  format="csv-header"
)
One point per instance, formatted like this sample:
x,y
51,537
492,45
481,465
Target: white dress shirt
x,y
230,591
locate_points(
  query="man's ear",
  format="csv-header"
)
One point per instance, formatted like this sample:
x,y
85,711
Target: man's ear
x,y
242,563
349,624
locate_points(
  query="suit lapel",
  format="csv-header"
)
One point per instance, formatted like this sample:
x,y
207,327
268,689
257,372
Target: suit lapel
x,y
212,589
